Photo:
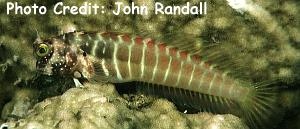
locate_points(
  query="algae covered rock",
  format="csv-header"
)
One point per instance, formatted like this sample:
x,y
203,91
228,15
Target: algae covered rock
x,y
99,106
23,100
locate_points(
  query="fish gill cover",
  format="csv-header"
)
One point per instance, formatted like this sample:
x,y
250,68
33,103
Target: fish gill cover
x,y
257,41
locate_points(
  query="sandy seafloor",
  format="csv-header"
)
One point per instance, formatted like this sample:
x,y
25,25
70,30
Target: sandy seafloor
x,y
266,34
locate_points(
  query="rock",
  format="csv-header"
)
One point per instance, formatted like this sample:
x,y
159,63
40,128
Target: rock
x,y
18,107
99,106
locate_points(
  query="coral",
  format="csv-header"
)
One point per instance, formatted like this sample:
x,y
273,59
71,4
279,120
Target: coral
x,y
290,99
291,102
23,100
99,106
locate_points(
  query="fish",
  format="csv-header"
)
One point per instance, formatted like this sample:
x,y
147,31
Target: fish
x,y
173,73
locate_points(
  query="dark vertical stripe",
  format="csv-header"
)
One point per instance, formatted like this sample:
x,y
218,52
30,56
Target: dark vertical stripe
x,y
197,76
208,77
122,58
186,74
228,84
173,72
214,89
135,59
162,67
149,62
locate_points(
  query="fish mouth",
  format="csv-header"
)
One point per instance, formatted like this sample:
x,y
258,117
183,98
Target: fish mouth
x,y
44,70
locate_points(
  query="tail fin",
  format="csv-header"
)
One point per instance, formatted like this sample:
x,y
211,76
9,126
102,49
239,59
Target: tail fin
x,y
261,109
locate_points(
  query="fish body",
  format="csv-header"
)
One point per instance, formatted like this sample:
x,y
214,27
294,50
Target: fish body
x,y
117,58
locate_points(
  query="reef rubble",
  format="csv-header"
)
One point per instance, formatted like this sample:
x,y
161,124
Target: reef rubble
x,y
98,106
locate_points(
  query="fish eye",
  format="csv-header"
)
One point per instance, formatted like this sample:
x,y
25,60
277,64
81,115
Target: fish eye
x,y
42,50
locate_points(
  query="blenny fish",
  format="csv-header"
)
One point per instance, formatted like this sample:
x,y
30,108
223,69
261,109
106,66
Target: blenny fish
x,y
174,73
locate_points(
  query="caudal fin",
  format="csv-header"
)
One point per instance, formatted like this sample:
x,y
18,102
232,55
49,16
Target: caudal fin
x,y
261,110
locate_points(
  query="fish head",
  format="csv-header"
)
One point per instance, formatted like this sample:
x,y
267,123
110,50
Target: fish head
x,y
55,57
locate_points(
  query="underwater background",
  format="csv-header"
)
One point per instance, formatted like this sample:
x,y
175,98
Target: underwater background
x,y
267,37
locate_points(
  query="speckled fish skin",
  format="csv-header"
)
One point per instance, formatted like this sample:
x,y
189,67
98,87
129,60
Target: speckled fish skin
x,y
63,58
117,58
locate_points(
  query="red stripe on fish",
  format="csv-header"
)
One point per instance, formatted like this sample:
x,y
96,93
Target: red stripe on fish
x,y
126,38
139,40
183,55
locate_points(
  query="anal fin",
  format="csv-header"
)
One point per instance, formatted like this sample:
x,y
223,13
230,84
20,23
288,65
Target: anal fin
x,y
193,100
